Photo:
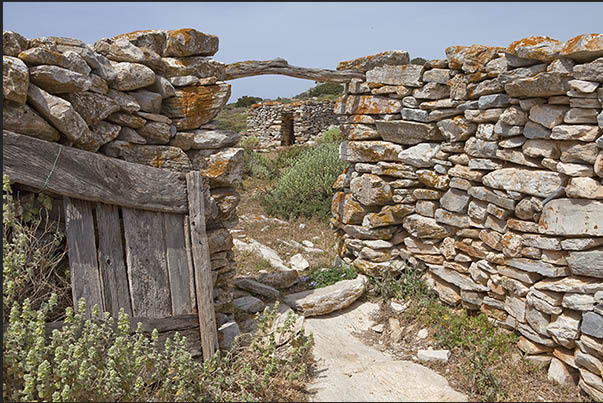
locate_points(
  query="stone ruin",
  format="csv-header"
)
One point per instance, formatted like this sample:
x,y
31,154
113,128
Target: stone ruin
x,y
281,124
485,169
147,97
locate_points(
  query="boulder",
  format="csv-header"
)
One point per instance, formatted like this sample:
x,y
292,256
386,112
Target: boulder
x,y
224,168
92,107
189,42
132,76
13,43
541,85
24,120
540,48
195,106
69,59
583,48
572,217
325,300
58,80
15,80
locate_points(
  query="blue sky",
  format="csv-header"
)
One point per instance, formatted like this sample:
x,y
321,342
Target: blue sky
x,y
311,34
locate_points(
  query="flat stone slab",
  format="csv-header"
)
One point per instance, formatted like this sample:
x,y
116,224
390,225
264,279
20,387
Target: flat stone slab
x,y
327,299
572,217
350,371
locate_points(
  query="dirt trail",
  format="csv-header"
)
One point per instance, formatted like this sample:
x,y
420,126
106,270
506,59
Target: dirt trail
x,y
349,370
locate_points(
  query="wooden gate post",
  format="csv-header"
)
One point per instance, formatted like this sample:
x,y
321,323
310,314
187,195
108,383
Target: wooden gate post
x,y
202,265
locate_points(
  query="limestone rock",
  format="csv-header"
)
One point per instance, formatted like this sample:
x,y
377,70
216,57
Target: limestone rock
x,y
164,87
433,355
63,117
590,71
584,188
540,48
132,76
58,80
370,190
13,43
548,116
225,167
562,374
592,324
256,287
424,227
197,66
535,131
578,302
156,156
389,215
420,155
459,280
122,50
366,104
456,129
325,300
432,91
407,74
471,58
126,102
201,139
566,325
126,119
572,217
92,107
149,101
280,278
455,200
535,266
392,57
359,151
584,47
227,333
408,133
129,135
586,263
15,80
298,262
195,106
155,132
249,304
535,183
541,85
24,120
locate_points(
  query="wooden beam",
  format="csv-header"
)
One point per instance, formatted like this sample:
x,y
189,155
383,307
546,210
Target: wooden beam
x,y
178,322
281,66
91,176
202,265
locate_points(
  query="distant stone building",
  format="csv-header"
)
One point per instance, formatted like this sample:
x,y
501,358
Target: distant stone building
x,y
276,123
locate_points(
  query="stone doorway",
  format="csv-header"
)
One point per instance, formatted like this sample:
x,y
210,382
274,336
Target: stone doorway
x,y
287,131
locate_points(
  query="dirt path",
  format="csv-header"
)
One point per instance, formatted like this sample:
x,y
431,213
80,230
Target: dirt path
x,y
349,370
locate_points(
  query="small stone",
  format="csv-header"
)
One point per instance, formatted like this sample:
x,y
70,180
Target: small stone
x,y
562,374
378,328
433,355
298,262
249,304
422,334
397,307
257,287
548,116
575,132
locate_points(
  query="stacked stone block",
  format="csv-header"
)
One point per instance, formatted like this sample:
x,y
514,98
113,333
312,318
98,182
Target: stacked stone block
x,y
310,118
147,97
485,169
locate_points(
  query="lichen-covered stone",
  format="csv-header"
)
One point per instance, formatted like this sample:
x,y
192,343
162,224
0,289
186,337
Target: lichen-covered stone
x,y
24,120
156,156
13,43
371,190
224,168
369,151
541,85
15,80
131,76
408,75
408,133
195,106
92,107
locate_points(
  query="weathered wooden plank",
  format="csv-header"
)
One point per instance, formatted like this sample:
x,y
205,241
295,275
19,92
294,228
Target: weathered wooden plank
x,y
79,230
90,176
111,260
189,257
146,263
281,66
202,265
179,271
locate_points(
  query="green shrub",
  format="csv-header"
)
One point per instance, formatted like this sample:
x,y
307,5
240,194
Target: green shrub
x,y
418,60
287,157
328,276
306,188
232,118
33,252
321,89
246,101
332,135
400,284
90,360
258,165
249,142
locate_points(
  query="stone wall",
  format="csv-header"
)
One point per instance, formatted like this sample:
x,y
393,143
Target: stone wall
x,y
147,97
310,118
485,169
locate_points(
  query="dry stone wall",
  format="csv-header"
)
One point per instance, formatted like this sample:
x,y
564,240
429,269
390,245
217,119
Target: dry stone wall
x,y
485,169
147,97
310,118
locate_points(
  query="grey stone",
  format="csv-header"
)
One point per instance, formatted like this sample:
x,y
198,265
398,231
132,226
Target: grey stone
x,y
131,136
578,302
504,130
408,133
126,102
13,43
63,117
15,80
432,91
58,80
205,139
418,115
440,76
584,188
433,355
530,334
536,183
535,266
122,50
590,71
92,107
586,263
592,324
580,243
256,287
149,101
408,75
562,374
575,132
548,116
183,81
24,120
190,66
132,76
572,217
459,280
104,132
480,148
249,304
455,200
153,155
126,119
360,151
535,131
456,129
493,101
538,320
482,193
424,227
540,85
325,300
456,220
581,115
420,155
566,325
227,333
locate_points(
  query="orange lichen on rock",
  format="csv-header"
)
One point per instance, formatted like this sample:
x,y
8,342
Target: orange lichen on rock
x,y
472,58
541,48
583,47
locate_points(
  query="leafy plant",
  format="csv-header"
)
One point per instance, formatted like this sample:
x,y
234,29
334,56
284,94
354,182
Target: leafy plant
x,y
257,165
418,60
327,276
332,135
33,253
321,89
246,101
306,188
249,142
400,284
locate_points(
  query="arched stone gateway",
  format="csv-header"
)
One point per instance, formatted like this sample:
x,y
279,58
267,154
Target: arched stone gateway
x,y
485,168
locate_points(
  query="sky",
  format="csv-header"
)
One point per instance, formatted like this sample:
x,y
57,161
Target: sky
x,y
311,34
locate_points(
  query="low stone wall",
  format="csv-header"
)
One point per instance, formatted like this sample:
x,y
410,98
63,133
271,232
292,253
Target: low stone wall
x,y
485,170
147,97
310,118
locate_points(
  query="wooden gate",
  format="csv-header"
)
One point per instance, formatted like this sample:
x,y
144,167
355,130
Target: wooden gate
x,y
136,234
